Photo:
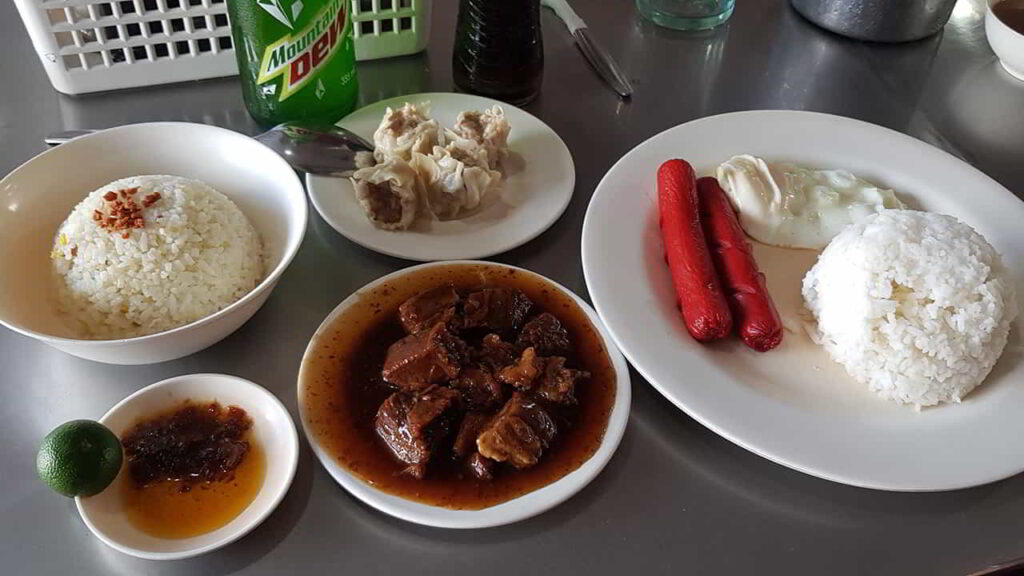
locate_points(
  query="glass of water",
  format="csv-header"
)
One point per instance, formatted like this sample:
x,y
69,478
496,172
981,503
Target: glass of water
x,y
686,14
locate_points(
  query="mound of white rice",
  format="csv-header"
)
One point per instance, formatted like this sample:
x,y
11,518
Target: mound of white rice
x,y
915,305
196,254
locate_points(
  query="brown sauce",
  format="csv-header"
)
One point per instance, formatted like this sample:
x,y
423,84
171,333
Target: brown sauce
x,y
162,510
191,469
1011,12
342,390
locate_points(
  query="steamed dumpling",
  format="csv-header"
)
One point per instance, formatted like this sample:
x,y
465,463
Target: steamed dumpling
x,y
365,159
389,193
419,168
488,128
450,185
469,152
405,131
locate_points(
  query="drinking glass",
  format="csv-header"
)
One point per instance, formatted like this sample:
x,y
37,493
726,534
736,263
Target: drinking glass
x,y
686,14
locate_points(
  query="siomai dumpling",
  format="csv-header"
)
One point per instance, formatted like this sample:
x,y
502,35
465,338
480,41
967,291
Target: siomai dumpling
x,y
365,159
405,131
488,128
450,185
389,193
469,152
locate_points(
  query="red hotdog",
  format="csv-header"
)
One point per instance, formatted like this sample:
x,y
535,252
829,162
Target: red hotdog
x,y
753,311
705,311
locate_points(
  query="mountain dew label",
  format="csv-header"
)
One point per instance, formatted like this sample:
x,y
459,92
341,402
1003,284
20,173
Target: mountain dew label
x,y
298,56
296,59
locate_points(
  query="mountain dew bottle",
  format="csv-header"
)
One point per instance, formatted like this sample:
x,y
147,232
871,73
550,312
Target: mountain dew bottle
x,y
295,59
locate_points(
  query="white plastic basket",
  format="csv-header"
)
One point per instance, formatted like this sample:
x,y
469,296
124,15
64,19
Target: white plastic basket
x,y
94,45
384,28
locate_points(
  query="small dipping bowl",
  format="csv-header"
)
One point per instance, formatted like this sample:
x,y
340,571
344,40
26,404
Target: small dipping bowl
x,y
1007,43
272,428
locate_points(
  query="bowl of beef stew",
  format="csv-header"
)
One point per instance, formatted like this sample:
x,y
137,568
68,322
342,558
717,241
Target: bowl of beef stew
x,y
463,394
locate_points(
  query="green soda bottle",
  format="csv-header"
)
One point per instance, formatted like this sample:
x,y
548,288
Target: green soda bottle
x,y
296,59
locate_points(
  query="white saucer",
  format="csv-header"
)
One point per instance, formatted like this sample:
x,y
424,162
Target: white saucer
x,y
537,189
272,428
794,405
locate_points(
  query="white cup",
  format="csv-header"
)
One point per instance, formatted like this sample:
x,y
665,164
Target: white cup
x,y
1007,43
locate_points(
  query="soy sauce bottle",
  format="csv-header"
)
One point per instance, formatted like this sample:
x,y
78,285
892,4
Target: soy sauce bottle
x,y
498,49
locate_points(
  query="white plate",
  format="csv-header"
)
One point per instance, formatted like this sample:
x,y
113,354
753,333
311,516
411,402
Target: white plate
x,y
538,187
514,510
794,405
272,428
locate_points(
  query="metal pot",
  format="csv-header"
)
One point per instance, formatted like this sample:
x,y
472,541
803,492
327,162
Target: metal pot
x,y
878,20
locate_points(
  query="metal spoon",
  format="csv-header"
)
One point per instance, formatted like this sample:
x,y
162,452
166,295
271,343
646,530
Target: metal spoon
x,y
1010,568
315,148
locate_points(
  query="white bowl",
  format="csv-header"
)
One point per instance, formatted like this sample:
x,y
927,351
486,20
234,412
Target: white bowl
x,y
272,428
36,197
1007,43
525,506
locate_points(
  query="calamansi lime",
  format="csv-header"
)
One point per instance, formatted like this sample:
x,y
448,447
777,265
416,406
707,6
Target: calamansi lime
x,y
79,458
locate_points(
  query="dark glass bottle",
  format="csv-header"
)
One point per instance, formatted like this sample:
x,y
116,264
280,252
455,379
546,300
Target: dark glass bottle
x,y
498,49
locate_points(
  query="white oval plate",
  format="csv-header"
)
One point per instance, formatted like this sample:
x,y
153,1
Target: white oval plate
x,y
537,189
272,428
520,508
793,405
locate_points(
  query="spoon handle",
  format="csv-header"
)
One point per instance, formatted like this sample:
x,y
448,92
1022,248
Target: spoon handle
x,y
62,137
1010,568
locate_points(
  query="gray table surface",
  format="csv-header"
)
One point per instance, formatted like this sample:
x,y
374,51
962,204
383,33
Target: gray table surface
x,y
675,497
